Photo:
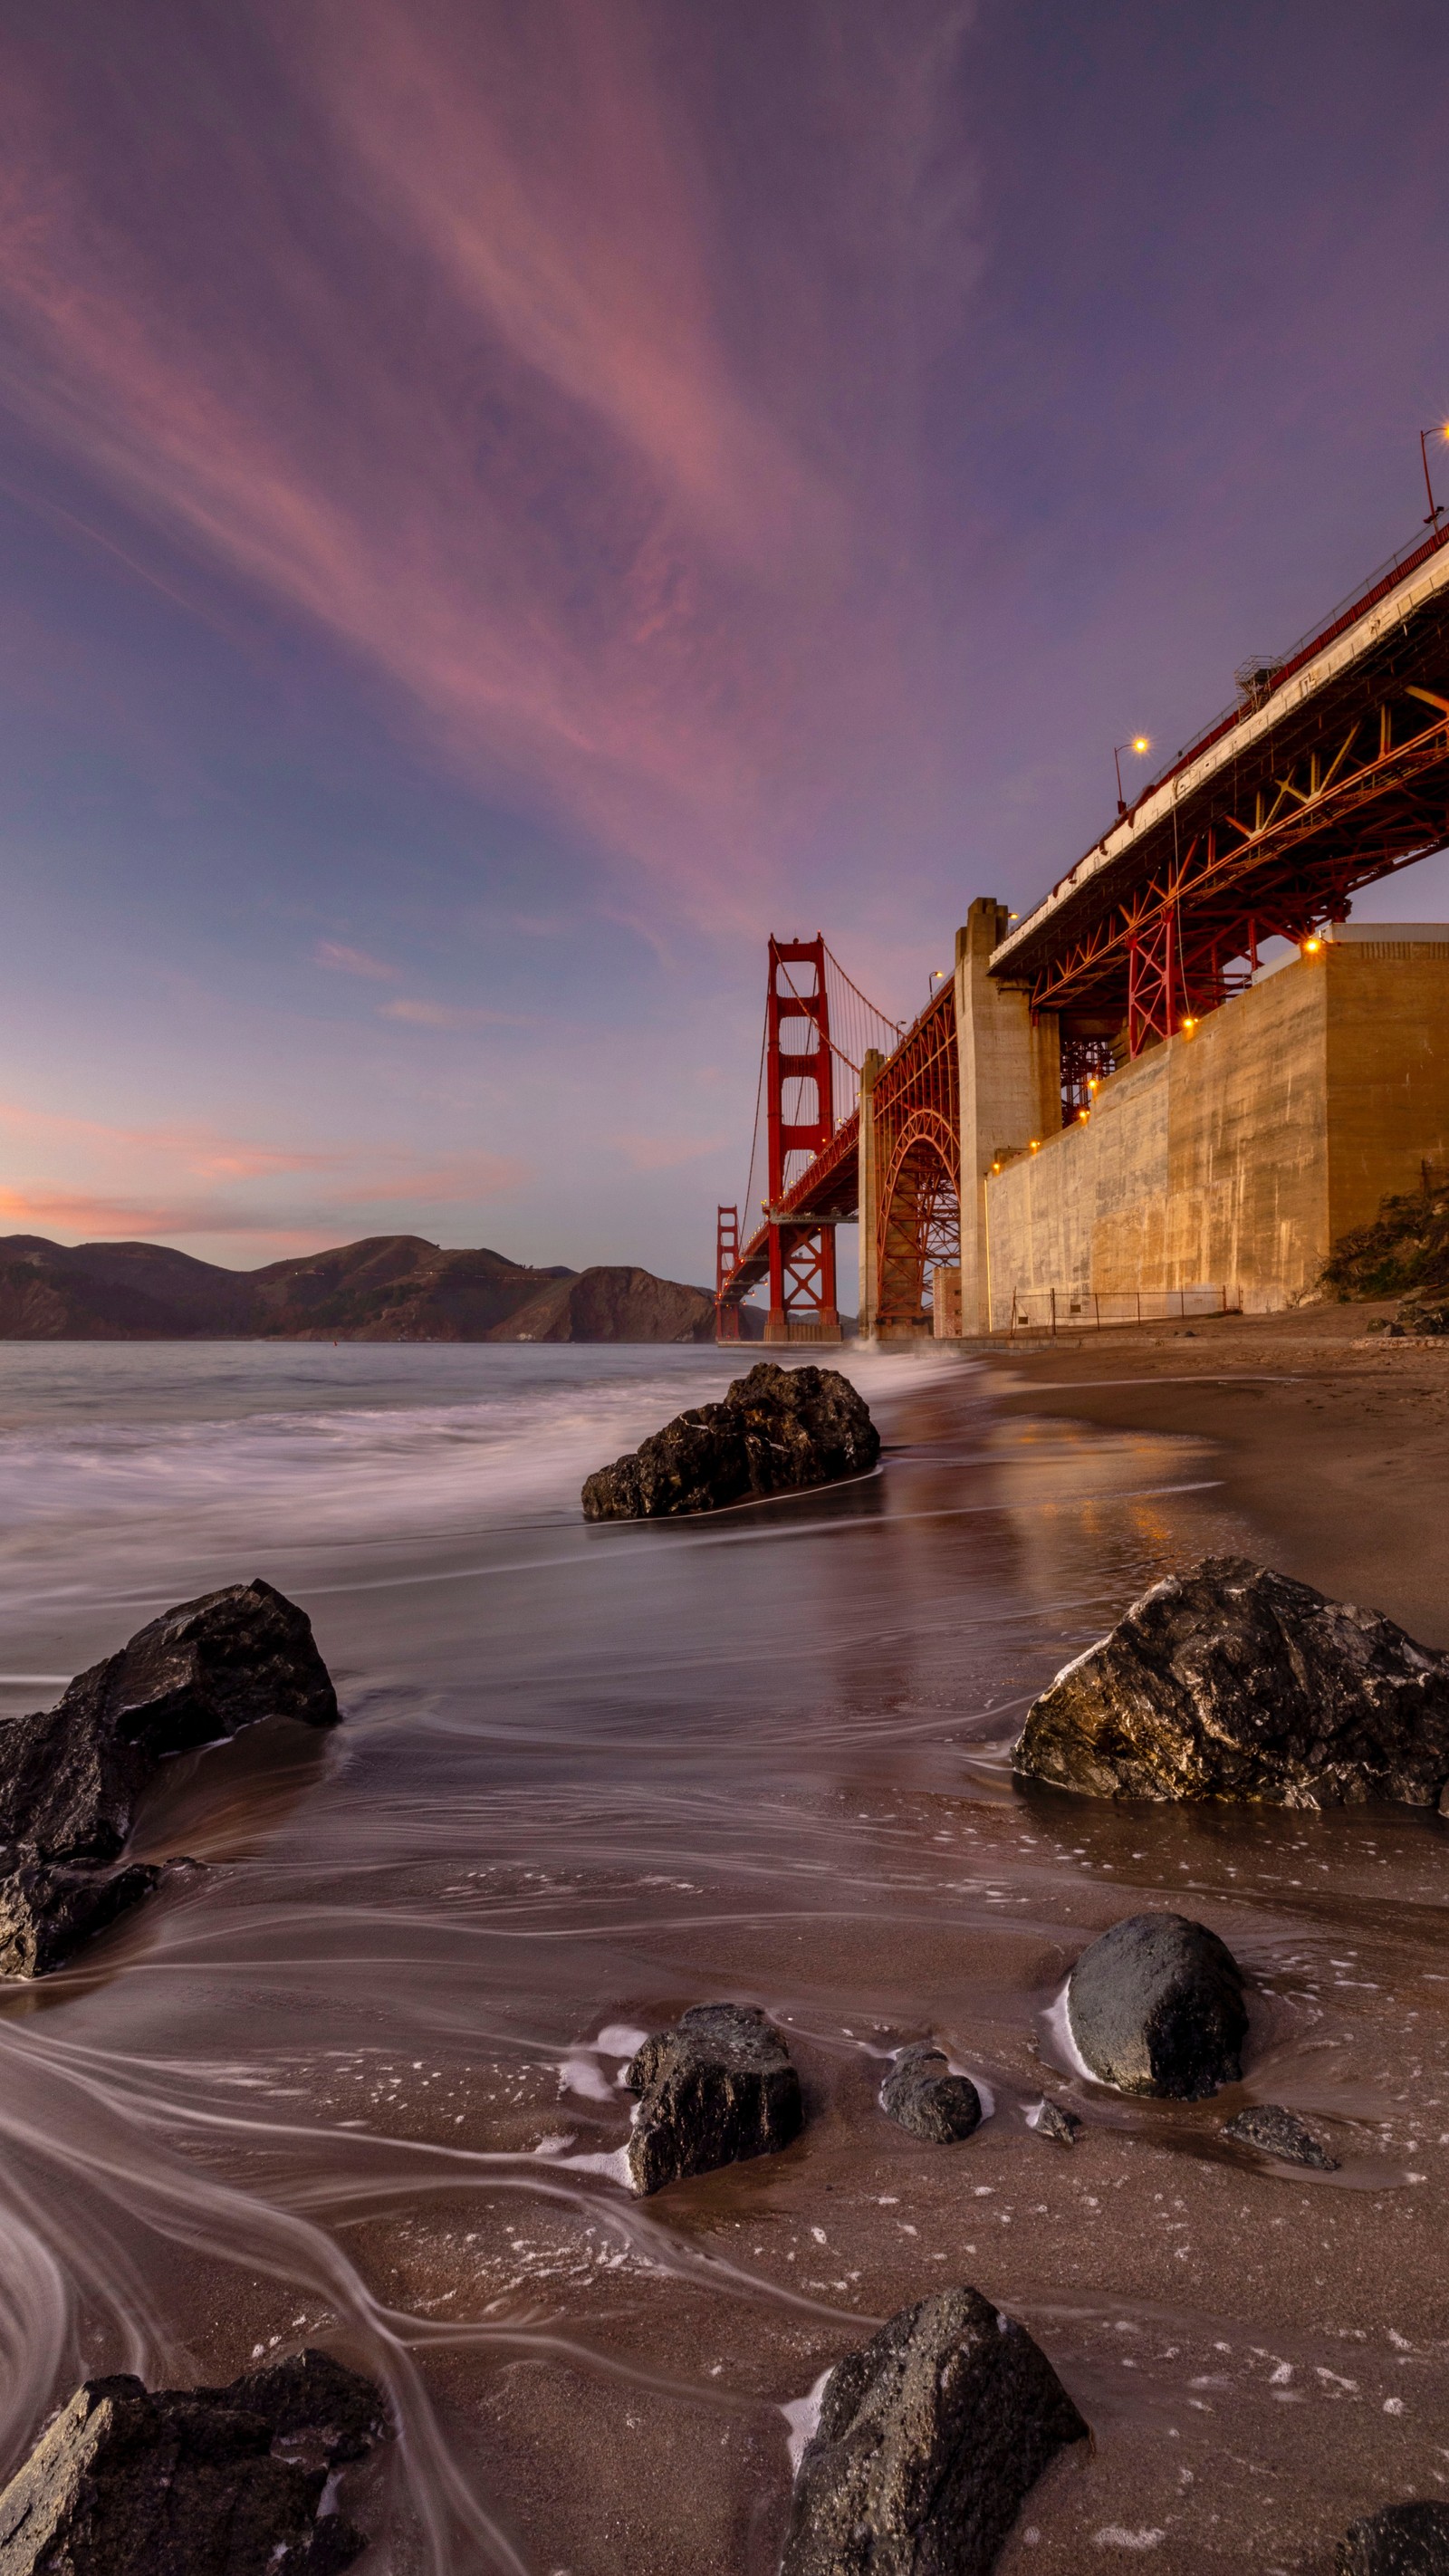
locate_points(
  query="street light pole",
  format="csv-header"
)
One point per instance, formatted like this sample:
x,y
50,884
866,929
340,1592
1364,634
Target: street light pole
x,y
1436,508
1139,743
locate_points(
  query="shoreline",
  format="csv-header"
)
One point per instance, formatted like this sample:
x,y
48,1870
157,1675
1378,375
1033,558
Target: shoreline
x,y
1334,1445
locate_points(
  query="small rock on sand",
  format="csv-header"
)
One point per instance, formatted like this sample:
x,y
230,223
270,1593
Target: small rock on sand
x,y
1277,2132
923,2095
715,2090
1055,2121
1156,2006
928,2440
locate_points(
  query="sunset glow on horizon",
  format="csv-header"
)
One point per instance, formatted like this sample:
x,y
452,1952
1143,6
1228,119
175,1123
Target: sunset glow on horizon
x,y
507,508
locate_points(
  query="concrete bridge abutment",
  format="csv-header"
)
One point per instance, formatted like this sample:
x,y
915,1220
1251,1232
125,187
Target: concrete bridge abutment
x,y
1011,1090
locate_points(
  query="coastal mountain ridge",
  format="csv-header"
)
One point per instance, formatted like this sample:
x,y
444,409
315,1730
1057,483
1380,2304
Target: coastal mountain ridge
x,y
388,1288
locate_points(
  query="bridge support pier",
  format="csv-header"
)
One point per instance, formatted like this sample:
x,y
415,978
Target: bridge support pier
x,y
1011,1093
869,1198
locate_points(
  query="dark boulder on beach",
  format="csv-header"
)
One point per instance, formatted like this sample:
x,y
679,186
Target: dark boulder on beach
x,y
777,1431
1156,2006
71,1776
1230,1681
923,2095
48,1908
1402,2540
713,2091
1276,2132
929,2439
193,2482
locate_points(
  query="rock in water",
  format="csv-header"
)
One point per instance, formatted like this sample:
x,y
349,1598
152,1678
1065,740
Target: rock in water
x,y
1056,2122
777,1431
925,2097
70,1778
1233,1682
928,2440
1403,2540
192,2482
46,1911
1276,2132
715,2090
1156,2006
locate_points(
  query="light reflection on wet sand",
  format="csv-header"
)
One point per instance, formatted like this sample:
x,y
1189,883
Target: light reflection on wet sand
x,y
336,2084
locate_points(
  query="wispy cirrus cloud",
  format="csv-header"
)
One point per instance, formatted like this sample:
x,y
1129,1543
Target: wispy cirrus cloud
x,y
485,409
450,1015
352,961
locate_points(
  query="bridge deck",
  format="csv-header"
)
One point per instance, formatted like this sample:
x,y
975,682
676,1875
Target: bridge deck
x,y
1271,819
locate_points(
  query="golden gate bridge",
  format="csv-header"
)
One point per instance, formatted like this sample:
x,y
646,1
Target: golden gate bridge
x,y
1329,772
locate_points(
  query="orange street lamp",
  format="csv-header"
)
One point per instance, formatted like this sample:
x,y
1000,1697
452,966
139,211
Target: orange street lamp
x,y
1139,743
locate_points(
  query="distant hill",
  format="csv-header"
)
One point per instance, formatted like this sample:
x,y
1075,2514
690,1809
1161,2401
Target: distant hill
x,y
390,1288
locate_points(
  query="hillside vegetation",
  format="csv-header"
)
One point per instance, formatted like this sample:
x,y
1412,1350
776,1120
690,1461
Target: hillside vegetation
x,y
1405,1248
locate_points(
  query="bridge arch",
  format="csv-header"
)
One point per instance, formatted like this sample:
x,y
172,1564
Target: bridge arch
x,y
919,1220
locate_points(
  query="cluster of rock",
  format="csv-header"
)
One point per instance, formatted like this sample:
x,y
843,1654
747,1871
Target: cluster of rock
x,y
1231,1681
71,1776
776,1431
234,2481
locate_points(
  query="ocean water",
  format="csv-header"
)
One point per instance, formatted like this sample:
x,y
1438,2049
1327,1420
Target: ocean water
x,y
357,2077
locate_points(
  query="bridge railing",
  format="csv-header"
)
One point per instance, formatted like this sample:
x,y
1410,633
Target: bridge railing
x,y
1088,1310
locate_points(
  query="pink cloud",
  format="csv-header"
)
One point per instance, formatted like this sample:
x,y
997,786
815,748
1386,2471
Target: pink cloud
x,y
505,447
192,1181
352,961
448,1015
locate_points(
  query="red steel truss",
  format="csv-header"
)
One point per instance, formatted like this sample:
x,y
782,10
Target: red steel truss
x,y
1265,827
917,1110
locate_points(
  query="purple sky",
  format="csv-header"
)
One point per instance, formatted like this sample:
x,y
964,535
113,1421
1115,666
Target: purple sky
x,y
506,503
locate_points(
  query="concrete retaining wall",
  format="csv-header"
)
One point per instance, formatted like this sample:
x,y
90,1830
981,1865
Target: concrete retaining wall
x,y
1235,1156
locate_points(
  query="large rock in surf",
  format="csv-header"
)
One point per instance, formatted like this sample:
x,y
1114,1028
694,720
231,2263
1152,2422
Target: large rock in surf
x,y
193,2482
923,2095
777,1431
716,2089
1156,2006
1402,2540
71,1776
929,2438
1231,1681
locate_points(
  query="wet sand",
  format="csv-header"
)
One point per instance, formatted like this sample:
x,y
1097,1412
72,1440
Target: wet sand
x,y
1335,1441
358,2081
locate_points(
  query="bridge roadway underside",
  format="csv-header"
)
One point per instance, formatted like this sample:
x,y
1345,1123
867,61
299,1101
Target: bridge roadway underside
x,y
1331,773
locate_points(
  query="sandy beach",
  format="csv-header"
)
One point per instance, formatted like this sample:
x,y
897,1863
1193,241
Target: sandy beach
x,y
1334,1441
